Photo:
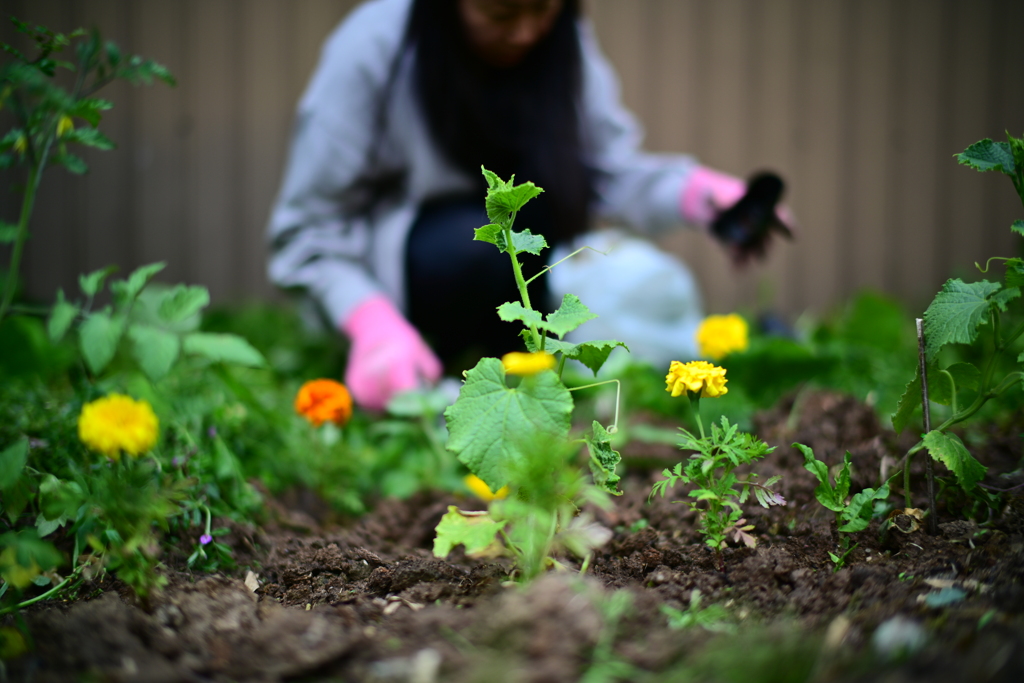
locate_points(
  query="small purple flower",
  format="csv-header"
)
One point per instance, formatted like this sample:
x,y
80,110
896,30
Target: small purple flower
x,y
177,461
212,432
205,538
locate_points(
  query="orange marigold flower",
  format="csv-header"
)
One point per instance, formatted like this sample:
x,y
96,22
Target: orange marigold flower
x,y
479,489
324,400
697,375
117,423
720,335
523,364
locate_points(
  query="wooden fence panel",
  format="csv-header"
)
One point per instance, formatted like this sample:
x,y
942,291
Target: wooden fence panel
x,y
859,104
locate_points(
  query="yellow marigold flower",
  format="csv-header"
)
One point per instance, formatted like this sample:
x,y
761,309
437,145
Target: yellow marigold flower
x,y
324,400
117,423
479,489
64,125
720,335
523,364
697,375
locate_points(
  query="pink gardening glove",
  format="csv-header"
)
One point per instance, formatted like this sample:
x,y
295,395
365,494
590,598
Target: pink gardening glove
x,y
387,354
707,193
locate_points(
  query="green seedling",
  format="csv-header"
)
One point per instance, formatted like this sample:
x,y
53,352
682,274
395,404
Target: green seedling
x,y
715,618
511,422
854,513
959,314
718,493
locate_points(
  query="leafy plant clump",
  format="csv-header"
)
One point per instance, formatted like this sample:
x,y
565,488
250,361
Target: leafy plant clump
x,y
718,493
853,514
975,314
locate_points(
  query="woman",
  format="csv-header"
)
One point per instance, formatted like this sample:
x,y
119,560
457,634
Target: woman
x,y
383,185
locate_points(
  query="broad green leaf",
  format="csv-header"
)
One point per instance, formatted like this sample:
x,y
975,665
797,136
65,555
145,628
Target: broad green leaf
x,y
1014,272
504,198
603,459
154,349
592,354
570,315
1005,296
857,515
510,311
986,155
951,452
61,317
183,301
955,314
488,233
125,291
475,531
965,376
226,467
25,556
909,402
227,348
491,425
524,241
99,336
1018,226
12,462
92,282
8,233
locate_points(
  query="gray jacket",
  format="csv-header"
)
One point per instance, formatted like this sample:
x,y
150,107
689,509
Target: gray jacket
x,y
342,257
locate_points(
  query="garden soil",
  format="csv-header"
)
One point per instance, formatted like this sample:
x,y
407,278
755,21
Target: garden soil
x,y
365,600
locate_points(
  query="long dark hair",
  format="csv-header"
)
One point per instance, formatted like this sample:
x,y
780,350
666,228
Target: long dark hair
x,y
520,120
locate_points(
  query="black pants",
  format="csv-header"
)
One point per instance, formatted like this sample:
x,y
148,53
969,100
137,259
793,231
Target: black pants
x,y
455,284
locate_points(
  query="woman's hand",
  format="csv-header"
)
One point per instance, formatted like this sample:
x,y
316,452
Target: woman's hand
x,y
387,354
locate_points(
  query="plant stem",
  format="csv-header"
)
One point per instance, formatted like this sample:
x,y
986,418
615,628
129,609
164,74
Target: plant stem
x,y
517,270
926,410
27,202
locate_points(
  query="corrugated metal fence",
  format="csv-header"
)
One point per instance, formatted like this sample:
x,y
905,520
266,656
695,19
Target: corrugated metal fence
x,y
859,104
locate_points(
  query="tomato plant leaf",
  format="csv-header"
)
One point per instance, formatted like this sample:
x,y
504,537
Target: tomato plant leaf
x,y
99,336
951,452
125,291
489,422
61,317
477,532
986,155
956,313
225,348
183,301
154,349
92,282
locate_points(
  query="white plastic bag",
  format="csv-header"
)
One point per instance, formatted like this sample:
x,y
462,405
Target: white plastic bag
x,y
643,296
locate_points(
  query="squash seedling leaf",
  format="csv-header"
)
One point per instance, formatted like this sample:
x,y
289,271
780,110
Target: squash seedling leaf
x,y
477,532
951,452
488,423
986,155
956,313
